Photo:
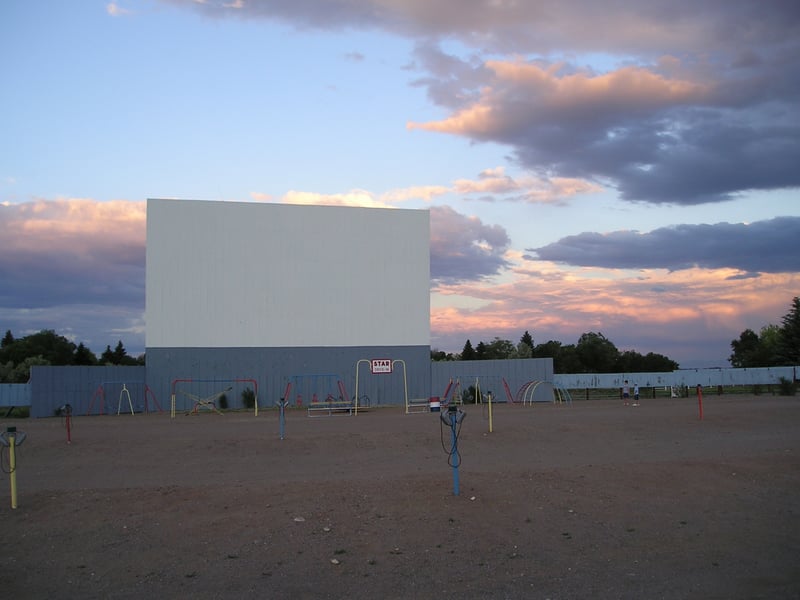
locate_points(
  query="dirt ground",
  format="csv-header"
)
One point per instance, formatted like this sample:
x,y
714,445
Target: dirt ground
x,y
588,500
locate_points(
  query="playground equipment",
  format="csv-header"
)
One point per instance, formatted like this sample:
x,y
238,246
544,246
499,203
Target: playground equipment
x,y
324,394
387,367
455,393
124,392
139,388
527,393
11,438
209,400
452,393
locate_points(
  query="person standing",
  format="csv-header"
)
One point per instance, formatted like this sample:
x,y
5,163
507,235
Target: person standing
x,y
636,394
626,393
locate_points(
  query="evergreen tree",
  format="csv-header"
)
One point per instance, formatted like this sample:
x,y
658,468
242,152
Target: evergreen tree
x,y
527,339
523,350
8,339
789,347
84,356
107,357
120,354
468,353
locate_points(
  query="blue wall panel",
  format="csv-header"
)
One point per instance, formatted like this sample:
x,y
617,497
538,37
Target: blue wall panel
x,y
310,370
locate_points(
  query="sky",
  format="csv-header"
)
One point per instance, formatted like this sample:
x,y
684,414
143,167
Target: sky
x,y
624,167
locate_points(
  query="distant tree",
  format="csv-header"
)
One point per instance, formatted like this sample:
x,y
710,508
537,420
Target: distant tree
x,y
527,339
568,361
658,363
21,372
84,356
523,350
107,357
480,351
549,349
117,356
47,348
55,349
629,361
770,338
120,354
789,346
499,349
745,350
565,359
596,353
8,339
6,368
468,353
441,355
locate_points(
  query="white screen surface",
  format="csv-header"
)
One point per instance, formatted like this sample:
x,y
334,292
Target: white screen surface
x,y
227,274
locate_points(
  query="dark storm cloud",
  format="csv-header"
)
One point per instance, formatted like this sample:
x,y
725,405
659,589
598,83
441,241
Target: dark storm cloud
x,y
762,247
463,248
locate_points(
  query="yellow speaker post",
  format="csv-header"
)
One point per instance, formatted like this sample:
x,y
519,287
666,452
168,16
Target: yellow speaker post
x,y
12,463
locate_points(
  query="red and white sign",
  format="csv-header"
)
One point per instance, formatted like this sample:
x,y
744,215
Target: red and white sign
x,y
381,365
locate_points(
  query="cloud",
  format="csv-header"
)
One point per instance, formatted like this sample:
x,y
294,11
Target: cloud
x,y
689,315
494,184
657,137
72,251
463,248
352,198
669,101
76,266
354,57
761,247
419,192
115,10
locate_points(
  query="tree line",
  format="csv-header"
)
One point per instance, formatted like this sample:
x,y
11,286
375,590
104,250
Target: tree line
x,y
777,345
594,353
18,355
774,346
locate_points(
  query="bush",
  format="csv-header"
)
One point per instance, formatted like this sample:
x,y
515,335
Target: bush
x,y
223,402
787,387
248,398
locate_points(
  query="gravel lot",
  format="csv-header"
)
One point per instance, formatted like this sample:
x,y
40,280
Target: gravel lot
x,y
588,500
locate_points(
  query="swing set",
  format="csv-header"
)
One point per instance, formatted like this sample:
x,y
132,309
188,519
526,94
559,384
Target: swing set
x,y
139,389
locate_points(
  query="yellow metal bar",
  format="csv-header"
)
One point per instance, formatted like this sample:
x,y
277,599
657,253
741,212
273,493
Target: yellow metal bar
x,y
405,379
12,463
489,395
358,362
